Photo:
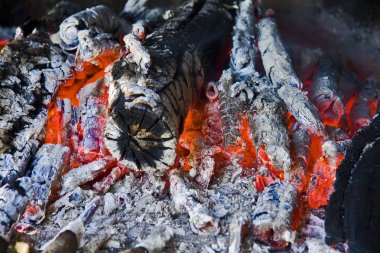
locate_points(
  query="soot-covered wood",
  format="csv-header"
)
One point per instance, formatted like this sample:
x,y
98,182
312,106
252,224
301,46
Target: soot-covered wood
x,y
152,89
352,213
31,70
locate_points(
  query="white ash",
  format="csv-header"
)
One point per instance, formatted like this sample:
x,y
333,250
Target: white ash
x,y
157,240
238,221
137,53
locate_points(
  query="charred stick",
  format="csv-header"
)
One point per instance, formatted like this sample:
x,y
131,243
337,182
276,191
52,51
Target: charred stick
x,y
300,148
280,73
13,200
105,184
31,70
268,124
152,89
361,113
188,198
47,168
273,215
324,91
238,228
235,85
85,173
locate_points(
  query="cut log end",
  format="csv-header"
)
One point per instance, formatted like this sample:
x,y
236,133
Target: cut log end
x,y
139,138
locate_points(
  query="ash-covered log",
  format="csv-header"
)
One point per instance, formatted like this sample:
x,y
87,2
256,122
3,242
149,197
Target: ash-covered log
x,y
300,150
269,129
235,85
280,73
238,229
352,170
273,215
13,200
324,91
31,70
152,89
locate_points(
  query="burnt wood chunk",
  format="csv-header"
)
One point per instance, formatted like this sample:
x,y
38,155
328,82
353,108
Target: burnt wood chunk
x,y
13,200
324,91
268,125
238,228
336,210
235,85
152,89
31,70
273,215
300,149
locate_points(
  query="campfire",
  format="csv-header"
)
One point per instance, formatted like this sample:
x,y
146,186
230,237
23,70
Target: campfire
x,y
187,126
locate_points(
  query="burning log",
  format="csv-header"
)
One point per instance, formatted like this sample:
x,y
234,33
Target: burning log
x,y
336,229
280,73
324,91
70,238
152,89
13,200
85,173
269,129
47,168
31,70
365,105
273,215
238,227
155,242
188,198
235,83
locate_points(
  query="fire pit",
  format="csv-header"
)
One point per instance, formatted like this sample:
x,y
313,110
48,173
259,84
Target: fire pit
x,y
192,126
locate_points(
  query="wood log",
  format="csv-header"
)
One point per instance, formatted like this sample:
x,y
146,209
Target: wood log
x,y
300,149
31,70
47,168
268,125
272,217
13,200
235,85
361,202
324,91
280,73
152,89
335,230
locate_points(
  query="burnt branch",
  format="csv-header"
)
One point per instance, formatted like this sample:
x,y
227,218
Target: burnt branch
x,y
152,89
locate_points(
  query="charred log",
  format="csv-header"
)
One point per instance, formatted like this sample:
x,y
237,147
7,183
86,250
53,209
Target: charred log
x,y
269,129
235,85
280,73
335,227
300,147
152,89
324,91
31,70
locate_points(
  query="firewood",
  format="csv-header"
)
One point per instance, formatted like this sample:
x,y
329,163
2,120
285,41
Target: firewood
x,y
237,229
150,93
85,173
47,168
13,200
280,73
300,149
189,199
269,128
335,229
272,217
32,69
324,91
70,238
235,85
360,114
